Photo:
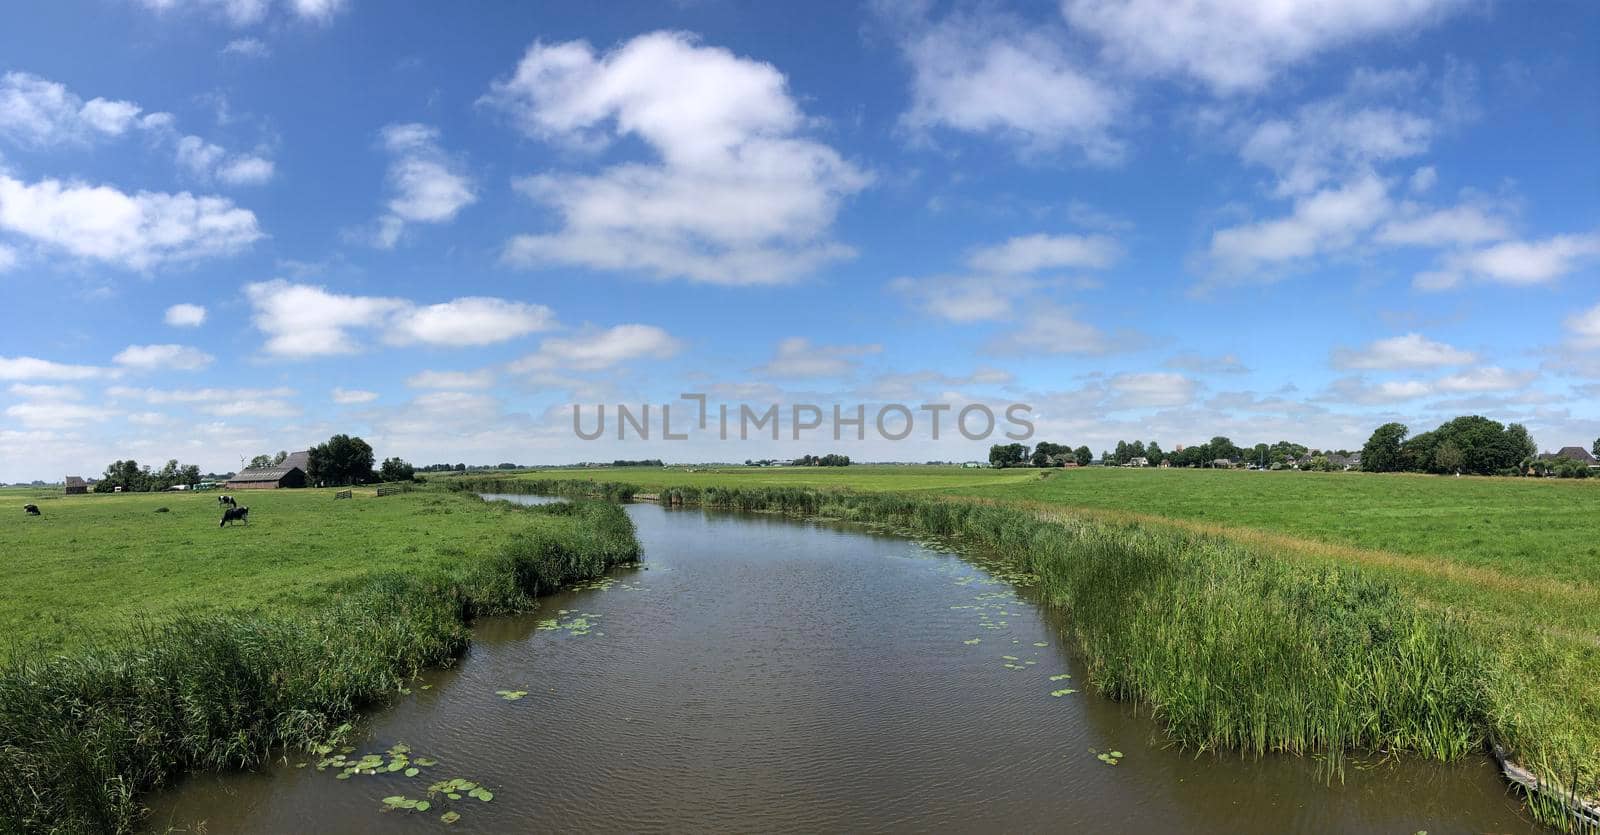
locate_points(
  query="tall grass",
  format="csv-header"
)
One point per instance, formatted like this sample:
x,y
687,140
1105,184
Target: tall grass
x,y
1229,648
82,735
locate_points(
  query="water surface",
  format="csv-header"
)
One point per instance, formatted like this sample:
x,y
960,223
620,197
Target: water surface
x,y
763,674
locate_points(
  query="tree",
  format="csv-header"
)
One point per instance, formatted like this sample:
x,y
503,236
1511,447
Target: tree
x,y
1153,451
1596,448
1449,458
259,462
1008,455
1047,454
1221,447
1083,456
396,469
281,457
341,460
1381,453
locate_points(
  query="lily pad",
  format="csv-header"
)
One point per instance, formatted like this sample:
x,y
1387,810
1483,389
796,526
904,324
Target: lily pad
x,y
413,771
450,817
1063,692
973,641
511,695
1061,677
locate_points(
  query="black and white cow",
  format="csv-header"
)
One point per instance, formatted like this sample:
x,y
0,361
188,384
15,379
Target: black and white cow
x,y
235,514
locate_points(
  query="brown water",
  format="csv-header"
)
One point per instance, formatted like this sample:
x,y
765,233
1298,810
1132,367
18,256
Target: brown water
x,y
760,674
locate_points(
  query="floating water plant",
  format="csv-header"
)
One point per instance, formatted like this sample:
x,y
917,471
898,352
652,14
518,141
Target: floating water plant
x,y
511,695
450,817
972,641
1065,691
1060,677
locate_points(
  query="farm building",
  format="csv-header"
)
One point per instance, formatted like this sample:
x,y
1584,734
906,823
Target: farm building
x,y
1571,453
290,473
76,486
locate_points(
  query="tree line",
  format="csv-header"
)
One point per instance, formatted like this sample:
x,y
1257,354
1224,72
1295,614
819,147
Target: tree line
x,y
1470,444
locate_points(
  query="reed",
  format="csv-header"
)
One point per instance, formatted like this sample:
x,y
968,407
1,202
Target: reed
x,y
82,735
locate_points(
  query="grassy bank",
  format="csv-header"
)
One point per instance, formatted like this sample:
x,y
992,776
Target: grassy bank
x,y
85,731
1240,645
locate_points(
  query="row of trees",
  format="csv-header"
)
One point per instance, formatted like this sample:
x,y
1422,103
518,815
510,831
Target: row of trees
x,y
1468,444
133,478
1045,454
830,460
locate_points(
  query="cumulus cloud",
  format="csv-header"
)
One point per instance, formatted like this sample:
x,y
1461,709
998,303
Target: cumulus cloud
x,y
353,397
185,315
1325,221
53,413
595,349
8,258
1033,253
1487,378
163,358
1237,46
456,380
1413,350
1515,263
33,368
992,75
37,112
1199,364
798,357
1466,224
136,231
470,321
736,195
1583,328
964,299
305,320
33,391
427,185
1051,329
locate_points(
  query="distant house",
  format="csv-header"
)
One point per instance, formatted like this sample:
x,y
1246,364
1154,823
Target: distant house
x,y
1138,461
1222,464
1344,462
76,486
1572,453
1166,464
290,473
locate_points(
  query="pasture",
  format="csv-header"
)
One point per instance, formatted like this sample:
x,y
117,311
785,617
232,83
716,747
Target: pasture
x,y
91,566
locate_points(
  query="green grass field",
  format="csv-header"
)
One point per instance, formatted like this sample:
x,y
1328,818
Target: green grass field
x,y
91,565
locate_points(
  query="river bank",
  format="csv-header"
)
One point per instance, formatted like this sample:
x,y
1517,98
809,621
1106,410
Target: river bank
x,y
84,733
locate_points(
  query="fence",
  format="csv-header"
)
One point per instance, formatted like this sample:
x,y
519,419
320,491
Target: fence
x,y
390,491
342,494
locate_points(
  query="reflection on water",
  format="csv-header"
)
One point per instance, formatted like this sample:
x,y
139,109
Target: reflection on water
x,y
763,674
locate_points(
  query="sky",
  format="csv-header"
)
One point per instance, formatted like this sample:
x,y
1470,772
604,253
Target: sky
x,y
230,227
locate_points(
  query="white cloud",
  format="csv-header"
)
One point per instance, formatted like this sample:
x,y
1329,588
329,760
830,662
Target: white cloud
x,y
246,170
428,186
53,413
353,397
1583,328
37,112
1198,364
1051,329
1487,378
185,315
965,299
205,395
8,258
136,231
163,358
1517,263
45,392
797,357
1359,391
250,12
1148,390
1337,137
33,368
1032,253
304,320
599,349
737,196
251,408
988,74
208,161
455,380
471,321
247,48
1463,225
1328,220
1240,45
1424,179
1412,350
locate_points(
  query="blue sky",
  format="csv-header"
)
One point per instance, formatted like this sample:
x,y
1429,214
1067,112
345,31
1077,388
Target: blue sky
x,y
237,226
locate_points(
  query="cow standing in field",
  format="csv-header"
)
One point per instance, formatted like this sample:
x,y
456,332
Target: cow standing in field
x,y
227,500
235,514
31,509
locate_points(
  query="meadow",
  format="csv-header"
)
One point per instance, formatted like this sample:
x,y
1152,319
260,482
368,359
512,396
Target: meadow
x,y
147,644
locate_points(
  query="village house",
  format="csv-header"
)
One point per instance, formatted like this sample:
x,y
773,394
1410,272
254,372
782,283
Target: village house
x,y
76,486
290,473
1572,453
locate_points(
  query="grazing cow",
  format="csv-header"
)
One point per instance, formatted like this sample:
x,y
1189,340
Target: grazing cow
x,y
31,509
227,500
235,514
